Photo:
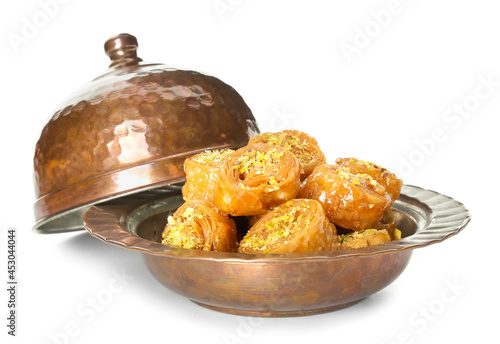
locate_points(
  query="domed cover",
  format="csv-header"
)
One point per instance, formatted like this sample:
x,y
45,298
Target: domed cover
x,y
130,130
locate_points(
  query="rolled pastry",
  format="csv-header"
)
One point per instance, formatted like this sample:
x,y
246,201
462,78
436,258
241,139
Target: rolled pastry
x,y
199,225
202,173
256,178
365,238
352,201
299,225
302,145
387,179
388,222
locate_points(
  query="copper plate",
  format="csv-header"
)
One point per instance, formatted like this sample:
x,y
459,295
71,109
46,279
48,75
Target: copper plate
x,y
275,285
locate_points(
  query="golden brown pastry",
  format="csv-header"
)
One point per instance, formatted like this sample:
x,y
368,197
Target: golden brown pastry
x,y
299,225
387,179
388,223
256,178
302,145
202,173
254,218
365,238
352,201
199,225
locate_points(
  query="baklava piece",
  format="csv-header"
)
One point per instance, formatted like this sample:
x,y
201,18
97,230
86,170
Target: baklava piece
x,y
202,173
352,201
256,178
299,225
302,145
199,225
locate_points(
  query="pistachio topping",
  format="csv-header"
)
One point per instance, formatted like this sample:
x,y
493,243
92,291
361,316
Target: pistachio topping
x,y
300,148
287,220
363,179
355,235
397,234
254,163
174,235
214,157
370,165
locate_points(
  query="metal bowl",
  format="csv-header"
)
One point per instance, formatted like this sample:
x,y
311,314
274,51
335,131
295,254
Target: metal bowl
x,y
130,130
275,285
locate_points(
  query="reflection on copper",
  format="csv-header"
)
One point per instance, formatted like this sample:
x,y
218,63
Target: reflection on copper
x,y
131,137
129,179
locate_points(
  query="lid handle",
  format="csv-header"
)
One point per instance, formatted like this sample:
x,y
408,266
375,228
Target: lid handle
x,y
122,50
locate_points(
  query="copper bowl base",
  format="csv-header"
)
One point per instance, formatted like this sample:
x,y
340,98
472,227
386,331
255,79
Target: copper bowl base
x,y
277,314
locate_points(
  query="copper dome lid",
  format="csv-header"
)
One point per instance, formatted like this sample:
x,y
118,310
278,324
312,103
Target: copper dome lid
x,y
130,130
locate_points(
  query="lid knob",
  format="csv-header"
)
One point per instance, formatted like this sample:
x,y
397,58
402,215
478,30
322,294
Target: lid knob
x,y
122,50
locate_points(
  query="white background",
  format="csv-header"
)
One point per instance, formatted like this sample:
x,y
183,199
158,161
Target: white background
x,y
382,102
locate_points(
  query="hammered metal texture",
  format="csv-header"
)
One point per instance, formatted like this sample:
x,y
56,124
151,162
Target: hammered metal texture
x,y
130,130
272,285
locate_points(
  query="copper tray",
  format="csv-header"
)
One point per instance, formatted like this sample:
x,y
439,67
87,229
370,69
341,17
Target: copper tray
x,y
273,285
